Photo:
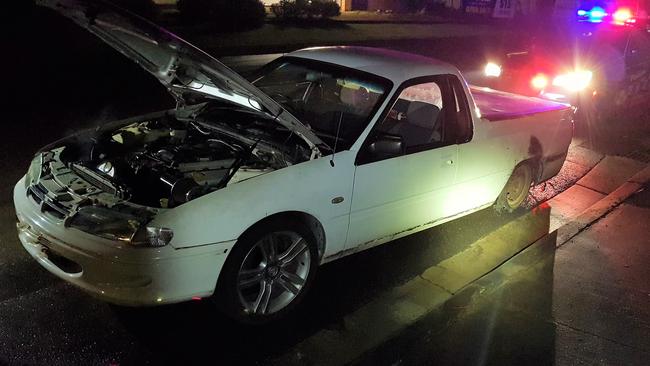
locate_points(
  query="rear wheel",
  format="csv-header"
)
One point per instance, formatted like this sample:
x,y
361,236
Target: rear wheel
x,y
515,192
268,273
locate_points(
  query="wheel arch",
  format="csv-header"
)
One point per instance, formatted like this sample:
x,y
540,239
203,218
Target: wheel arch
x,y
536,165
224,293
307,219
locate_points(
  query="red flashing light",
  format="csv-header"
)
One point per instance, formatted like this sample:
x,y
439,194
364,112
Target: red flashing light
x,y
623,16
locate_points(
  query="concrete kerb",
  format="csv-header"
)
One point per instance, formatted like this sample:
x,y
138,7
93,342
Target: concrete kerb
x,y
603,207
642,177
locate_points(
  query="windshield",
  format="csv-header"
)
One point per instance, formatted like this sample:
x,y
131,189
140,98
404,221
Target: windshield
x,y
334,101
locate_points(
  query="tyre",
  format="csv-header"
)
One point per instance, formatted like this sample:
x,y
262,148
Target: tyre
x,y
268,272
515,192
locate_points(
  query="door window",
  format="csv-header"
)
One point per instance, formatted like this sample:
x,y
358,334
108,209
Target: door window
x,y
418,117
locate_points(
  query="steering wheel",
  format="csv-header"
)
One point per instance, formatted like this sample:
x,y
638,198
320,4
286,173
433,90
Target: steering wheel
x,y
397,116
291,105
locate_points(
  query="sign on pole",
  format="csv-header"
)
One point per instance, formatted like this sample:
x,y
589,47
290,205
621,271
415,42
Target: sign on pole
x,y
504,9
483,7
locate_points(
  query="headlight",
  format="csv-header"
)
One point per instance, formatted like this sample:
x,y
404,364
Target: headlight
x,y
492,70
623,16
119,226
153,236
105,223
574,81
539,81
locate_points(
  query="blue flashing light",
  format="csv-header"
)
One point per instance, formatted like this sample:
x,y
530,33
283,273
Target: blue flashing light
x,y
597,13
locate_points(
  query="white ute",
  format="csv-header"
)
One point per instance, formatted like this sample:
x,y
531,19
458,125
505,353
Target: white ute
x,y
245,188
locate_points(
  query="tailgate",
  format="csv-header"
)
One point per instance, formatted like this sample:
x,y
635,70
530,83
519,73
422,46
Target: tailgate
x,y
496,105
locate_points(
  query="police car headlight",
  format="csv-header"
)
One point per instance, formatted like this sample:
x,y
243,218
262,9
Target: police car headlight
x,y
492,70
574,81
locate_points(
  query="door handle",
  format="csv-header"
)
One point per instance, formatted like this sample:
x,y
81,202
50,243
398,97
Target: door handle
x,y
449,162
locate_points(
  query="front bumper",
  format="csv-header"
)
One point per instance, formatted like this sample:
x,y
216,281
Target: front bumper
x,y
115,272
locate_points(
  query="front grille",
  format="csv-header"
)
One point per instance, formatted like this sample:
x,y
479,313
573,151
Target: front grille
x,y
39,193
55,210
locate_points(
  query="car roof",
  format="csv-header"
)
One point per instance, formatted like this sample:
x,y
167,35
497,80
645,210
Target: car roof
x,y
393,65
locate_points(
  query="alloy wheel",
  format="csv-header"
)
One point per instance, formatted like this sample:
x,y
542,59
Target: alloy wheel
x,y
273,272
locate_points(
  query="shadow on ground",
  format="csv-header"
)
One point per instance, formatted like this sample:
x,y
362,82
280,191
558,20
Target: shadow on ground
x,y
498,320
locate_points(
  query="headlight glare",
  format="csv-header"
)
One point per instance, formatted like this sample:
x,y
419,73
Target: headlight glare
x,y
539,81
574,81
492,70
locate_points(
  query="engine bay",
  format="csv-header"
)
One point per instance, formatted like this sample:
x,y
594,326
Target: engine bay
x,y
165,162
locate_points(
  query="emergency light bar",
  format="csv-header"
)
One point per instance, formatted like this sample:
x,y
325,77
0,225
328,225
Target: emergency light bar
x,y
597,14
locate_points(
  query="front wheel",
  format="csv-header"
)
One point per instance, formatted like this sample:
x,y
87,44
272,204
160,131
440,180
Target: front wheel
x,y
516,190
268,272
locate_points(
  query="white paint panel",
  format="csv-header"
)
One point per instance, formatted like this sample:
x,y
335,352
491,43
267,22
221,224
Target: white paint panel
x,y
308,187
401,193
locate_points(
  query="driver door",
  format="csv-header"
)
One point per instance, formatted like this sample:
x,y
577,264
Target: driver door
x,y
393,195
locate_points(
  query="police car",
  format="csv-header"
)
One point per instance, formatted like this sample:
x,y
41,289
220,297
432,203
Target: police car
x,y
601,67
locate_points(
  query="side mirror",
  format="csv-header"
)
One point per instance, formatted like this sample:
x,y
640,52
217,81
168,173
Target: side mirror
x,y
385,146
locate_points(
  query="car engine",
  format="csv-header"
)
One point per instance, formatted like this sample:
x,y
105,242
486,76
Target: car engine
x,y
165,162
